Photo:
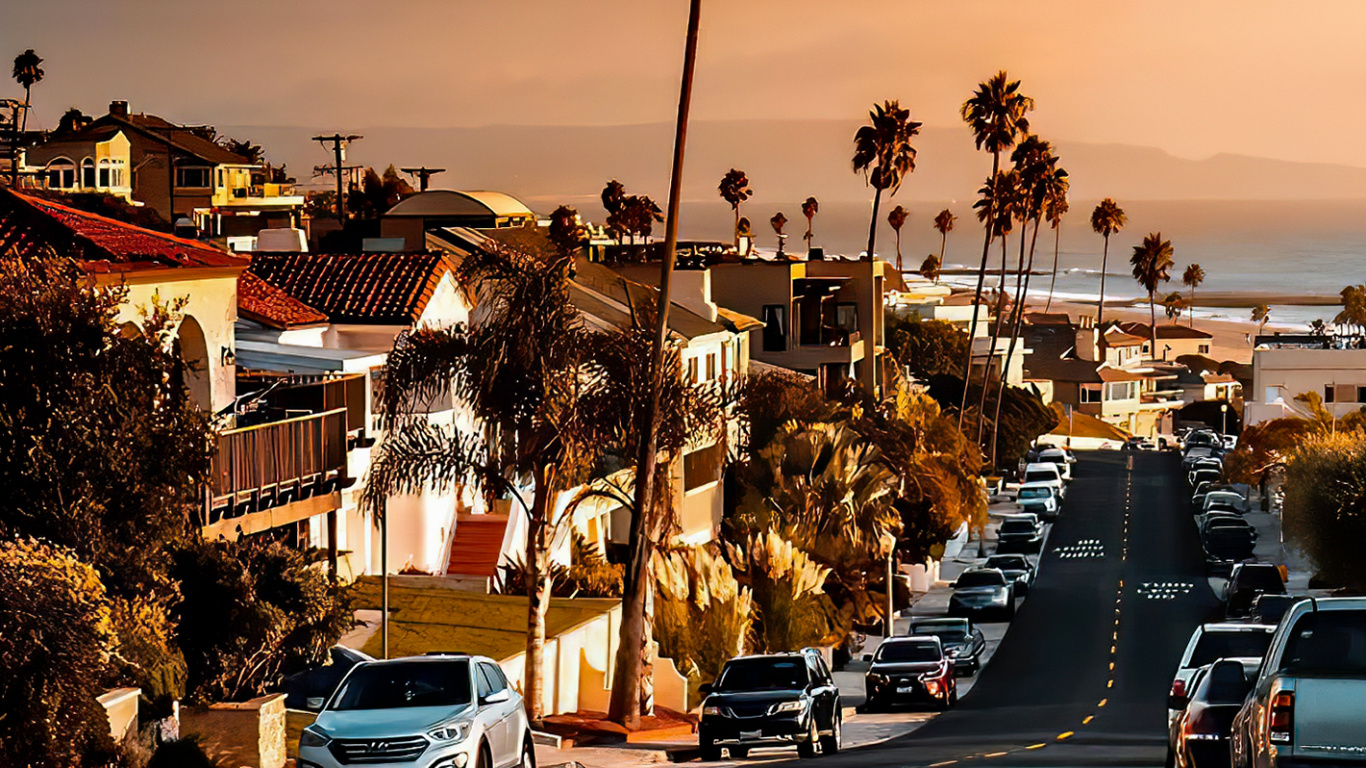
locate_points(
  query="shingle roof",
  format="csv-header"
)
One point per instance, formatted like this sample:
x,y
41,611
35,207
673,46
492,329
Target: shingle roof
x,y
182,137
1169,331
262,302
100,243
378,288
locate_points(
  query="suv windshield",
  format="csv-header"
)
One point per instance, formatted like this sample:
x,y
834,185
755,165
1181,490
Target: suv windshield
x,y
1011,562
981,579
1260,579
1327,643
903,651
1017,526
1035,493
782,674
405,684
948,633
1039,476
1229,645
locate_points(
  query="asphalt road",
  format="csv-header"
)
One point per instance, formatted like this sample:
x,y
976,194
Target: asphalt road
x,y
1082,675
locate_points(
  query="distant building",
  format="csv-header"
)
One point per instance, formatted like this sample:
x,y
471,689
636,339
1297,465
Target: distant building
x,y
1284,366
417,214
1173,340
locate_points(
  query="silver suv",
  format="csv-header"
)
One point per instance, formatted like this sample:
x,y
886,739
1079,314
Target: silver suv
x,y
440,711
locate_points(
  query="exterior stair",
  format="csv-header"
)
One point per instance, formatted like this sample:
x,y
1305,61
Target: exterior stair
x,y
476,548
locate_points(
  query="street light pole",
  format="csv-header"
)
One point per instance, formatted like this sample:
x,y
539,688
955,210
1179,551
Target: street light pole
x,y
1223,409
384,578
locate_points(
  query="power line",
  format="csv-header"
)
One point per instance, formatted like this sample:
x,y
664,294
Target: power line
x,y
339,144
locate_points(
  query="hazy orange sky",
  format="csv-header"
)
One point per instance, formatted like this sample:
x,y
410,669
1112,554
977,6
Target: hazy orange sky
x,y
1272,79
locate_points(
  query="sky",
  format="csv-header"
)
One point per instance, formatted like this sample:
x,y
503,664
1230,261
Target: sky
x,y
1194,78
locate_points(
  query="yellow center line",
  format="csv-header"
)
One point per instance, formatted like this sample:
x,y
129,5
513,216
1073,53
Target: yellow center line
x,y
1066,735
996,754
941,765
1040,745
1088,719
1110,683
1103,702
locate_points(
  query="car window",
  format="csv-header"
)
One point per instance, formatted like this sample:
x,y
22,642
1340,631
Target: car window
x,y
908,652
948,633
1035,493
1225,684
1013,562
1327,643
813,668
1217,645
981,579
496,681
405,684
764,675
1017,526
1262,579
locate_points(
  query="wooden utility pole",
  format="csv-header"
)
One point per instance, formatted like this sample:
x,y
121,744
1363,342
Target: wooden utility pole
x,y
338,143
624,706
423,175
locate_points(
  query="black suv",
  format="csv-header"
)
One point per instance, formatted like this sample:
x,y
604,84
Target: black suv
x,y
773,700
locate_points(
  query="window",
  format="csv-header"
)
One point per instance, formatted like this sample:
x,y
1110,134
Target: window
x,y
702,467
1204,349
1328,394
846,316
495,674
692,370
61,174
1090,393
775,328
1120,390
192,176
711,366
88,173
104,173
220,177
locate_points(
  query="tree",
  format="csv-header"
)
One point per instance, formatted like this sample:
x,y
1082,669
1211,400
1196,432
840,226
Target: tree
x,y
72,120
1325,505
997,115
943,224
566,231
1152,266
252,153
1353,314
377,193
787,587
810,207
638,216
27,73
778,222
550,400
1192,278
703,617
1173,305
734,189
767,401
926,348
884,155
1107,219
931,267
999,200
1261,315
55,641
1055,206
897,219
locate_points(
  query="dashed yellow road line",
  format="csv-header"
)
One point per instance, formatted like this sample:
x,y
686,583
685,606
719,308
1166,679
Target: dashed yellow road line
x,y
1103,702
996,754
1088,719
1066,735
941,765
1040,745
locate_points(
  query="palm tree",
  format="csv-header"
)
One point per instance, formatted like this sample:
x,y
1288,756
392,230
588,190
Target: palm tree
x,y
996,113
778,222
930,267
566,230
1152,263
1261,315
1173,305
884,155
27,72
996,208
897,218
1353,314
943,224
613,200
1055,206
809,209
1192,278
734,189
1107,219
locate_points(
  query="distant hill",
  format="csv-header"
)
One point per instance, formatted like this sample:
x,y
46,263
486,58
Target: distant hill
x,y
785,159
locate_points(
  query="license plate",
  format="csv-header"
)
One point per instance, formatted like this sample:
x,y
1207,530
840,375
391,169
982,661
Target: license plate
x,y
751,734
905,689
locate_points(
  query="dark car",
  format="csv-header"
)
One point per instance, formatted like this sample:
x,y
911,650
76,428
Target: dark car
x,y
1199,736
962,641
772,700
1020,535
1248,580
1198,476
310,688
1226,546
911,670
1017,568
983,591
1268,609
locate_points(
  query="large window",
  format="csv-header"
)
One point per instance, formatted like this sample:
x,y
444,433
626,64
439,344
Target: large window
x,y
846,316
104,173
197,177
1090,393
702,467
1120,390
88,173
61,174
775,328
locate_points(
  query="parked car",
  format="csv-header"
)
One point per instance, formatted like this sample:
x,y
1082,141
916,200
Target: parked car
x,y
1245,582
983,591
1215,520
1017,568
1203,473
1202,438
1199,736
311,688
1268,609
1226,547
962,641
771,700
430,712
1138,444
1045,472
1020,534
911,670
1246,643
1055,456
1193,455
1219,499
1040,499
1307,705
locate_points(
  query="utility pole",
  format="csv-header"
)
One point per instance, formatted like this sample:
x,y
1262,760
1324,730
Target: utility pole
x,y
423,175
338,143
13,140
384,578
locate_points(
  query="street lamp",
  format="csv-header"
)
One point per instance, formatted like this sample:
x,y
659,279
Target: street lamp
x,y
1223,409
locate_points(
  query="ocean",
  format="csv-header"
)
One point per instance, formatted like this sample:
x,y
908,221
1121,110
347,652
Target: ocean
x,y
1264,251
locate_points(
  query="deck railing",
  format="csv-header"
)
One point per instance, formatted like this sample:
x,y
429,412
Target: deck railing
x,y
280,462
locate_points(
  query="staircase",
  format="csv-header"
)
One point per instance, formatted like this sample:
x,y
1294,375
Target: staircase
x,y
476,549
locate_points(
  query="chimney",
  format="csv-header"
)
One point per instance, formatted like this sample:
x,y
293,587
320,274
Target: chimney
x,y
691,288
1086,342
118,108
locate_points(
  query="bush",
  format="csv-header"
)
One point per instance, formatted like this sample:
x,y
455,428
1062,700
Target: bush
x,y
1325,505
252,613
927,347
589,575
55,641
181,753
787,590
702,615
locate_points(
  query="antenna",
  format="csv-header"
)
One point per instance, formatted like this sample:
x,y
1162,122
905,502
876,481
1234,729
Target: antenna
x,y
423,175
339,143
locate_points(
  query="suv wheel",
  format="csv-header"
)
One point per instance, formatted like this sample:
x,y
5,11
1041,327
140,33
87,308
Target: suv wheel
x,y
807,748
528,754
831,744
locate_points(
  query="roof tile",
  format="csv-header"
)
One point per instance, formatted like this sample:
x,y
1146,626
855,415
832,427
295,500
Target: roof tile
x,y
380,288
264,303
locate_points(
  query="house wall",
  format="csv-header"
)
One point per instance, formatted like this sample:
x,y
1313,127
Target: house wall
x,y
1285,373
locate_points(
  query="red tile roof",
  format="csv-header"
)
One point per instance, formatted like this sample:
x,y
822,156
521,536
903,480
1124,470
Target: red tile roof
x,y
1168,331
379,288
103,244
262,302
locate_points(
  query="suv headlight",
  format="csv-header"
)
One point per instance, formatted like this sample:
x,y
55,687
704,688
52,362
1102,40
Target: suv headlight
x,y
712,711
789,706
451,733
312,738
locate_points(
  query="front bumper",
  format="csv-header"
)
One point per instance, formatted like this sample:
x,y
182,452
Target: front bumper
x,y
765,729
459,755
1211,753
904,690
973,609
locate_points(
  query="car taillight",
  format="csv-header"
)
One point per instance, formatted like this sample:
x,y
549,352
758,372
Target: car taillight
x,y
932,686
1178,688
1201,726
1280,718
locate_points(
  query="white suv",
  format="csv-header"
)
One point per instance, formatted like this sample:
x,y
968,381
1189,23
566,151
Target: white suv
x,y
439,711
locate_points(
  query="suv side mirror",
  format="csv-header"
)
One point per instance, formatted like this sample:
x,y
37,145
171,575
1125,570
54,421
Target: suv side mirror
x,y
706,688
867,657
314,703
497,697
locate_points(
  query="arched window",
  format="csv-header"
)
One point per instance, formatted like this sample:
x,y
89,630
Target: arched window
x,y
88,173
104,173
61,174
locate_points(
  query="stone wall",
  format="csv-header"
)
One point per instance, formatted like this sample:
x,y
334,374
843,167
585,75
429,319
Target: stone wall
x,y
250,734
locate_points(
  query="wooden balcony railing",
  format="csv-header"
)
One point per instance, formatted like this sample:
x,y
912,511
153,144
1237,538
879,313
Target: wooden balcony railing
x,y
277,463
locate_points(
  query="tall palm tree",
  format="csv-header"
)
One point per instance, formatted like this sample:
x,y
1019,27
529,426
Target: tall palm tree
x,y
1152,266
1055,206
884,155
997,114
1261,315
778,222
996,207
1107,219
897,218
1174,304
734,189
27,72
1192,278
943,224
810,208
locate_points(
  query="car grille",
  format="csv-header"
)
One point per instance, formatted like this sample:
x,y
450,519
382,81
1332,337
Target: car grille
x,y
749,710
403,749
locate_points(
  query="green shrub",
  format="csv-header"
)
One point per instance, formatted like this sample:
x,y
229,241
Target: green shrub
x,y
787,590
703,617
589,575
1325,505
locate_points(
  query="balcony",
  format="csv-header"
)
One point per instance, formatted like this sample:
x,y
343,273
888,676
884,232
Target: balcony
x,y
258,196
276,473
829,336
